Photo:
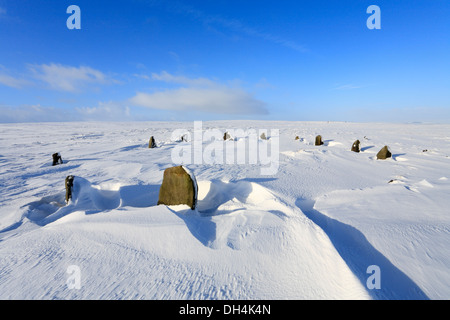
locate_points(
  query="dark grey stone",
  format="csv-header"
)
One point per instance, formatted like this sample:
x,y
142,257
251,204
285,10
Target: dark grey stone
x,y
178,187
384,153
57,159
69,186
356,146
319,141
227,136
152,143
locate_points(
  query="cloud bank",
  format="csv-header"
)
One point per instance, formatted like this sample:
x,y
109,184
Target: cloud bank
x,y
200,94
55,77
180,94
33,113
104,111
213,100
67,78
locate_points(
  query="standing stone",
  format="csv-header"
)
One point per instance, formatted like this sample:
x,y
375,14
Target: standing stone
x,y
355,146
226,136
319,141
56,159
384,153
69,186
152,143
184,138
178,187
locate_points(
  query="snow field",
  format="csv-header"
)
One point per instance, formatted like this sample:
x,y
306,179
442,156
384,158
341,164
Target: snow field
x,y
308,232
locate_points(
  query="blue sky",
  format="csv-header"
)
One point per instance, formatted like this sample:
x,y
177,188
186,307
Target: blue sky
x,y
225,59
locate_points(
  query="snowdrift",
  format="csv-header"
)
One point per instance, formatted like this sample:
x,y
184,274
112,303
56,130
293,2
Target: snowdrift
x,y
310,231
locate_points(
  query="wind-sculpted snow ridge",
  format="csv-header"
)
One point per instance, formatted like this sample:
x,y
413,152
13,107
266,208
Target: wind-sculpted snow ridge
x,y
414,241
359,254
242,242
312,230
91,199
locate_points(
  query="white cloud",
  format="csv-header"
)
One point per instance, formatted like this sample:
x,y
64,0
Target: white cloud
x,y
12,82
104,111
166,77
219,100
67,78
55,77
142,76
33,113
110,111
199,94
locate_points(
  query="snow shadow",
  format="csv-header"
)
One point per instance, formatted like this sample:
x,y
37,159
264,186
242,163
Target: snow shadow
x,y
201,227
49,169
91,199
139,196
39,210
226,200
359,254
130,148
211,196
259,180
366,148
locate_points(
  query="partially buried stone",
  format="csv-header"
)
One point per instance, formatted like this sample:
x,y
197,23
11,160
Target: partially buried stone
x,y
56,159
184,138
319,141
226,136
263,136
178,187
69,186
384,153
152,143
355,146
